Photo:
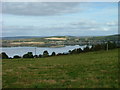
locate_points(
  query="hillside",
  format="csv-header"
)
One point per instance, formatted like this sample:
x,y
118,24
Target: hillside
x,y
37,37
107,38
87,70
56,41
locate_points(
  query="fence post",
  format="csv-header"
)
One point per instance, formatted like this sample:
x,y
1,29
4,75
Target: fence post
x,y
35,50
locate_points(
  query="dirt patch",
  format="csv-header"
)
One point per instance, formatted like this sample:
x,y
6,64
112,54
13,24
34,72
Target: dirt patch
x,y
56,38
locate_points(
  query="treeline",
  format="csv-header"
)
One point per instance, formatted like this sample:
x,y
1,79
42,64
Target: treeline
x,y
97,47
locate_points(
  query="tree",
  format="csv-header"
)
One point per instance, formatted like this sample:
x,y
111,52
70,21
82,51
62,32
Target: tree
x,y
69,51
40,56
79,50
92,48
16,56
45,54
111,45
86,49
25,56
36,56
98,47
28,55
59,54
74,51
114,45
3,55
53,54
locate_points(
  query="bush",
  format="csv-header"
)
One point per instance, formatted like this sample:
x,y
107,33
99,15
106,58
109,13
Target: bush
x,y
28,55
79,50
3,55
16,56
45,54
40,56
36,56
74,51
108,45
59,54
112,45
53,54
86,49
98,47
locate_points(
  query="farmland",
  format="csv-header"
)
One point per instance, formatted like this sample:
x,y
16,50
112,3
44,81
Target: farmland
x,y
56,41
97,69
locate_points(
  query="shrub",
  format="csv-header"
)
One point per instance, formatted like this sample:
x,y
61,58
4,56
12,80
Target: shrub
x,y
28,55
3,55
79,50
45,54
53,54
16,56
40,56
36,56
86,49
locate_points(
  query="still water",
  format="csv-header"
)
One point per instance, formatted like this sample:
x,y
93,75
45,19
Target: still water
x,y
12,51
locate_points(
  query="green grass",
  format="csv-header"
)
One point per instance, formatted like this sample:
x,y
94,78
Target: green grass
x,y
87,70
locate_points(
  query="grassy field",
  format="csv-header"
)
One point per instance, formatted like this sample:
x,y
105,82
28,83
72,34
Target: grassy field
x,y
87,70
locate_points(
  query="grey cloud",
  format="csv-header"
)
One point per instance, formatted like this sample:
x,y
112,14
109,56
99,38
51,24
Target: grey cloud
x,y
39,8
85,25
73,28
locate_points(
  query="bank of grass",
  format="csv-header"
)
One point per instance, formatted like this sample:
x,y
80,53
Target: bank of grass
x,y
87,70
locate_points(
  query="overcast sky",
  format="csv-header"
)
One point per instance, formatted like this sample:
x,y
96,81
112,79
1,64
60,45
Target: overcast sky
x,y
59,18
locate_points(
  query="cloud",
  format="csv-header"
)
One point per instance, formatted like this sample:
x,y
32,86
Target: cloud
x,y
72,28
76,18
17,30
112,23
39,8
94,26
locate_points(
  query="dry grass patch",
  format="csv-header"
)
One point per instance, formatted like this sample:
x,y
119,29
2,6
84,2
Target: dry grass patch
x,y
56,38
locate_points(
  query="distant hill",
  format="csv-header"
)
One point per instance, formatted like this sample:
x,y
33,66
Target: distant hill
x,y
55,41
20,37
28,37
110,37
107,38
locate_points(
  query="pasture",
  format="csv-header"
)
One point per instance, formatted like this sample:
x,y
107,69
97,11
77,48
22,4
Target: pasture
x,y
97,69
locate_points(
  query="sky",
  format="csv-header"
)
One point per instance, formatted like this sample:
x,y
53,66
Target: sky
x,y
59,18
